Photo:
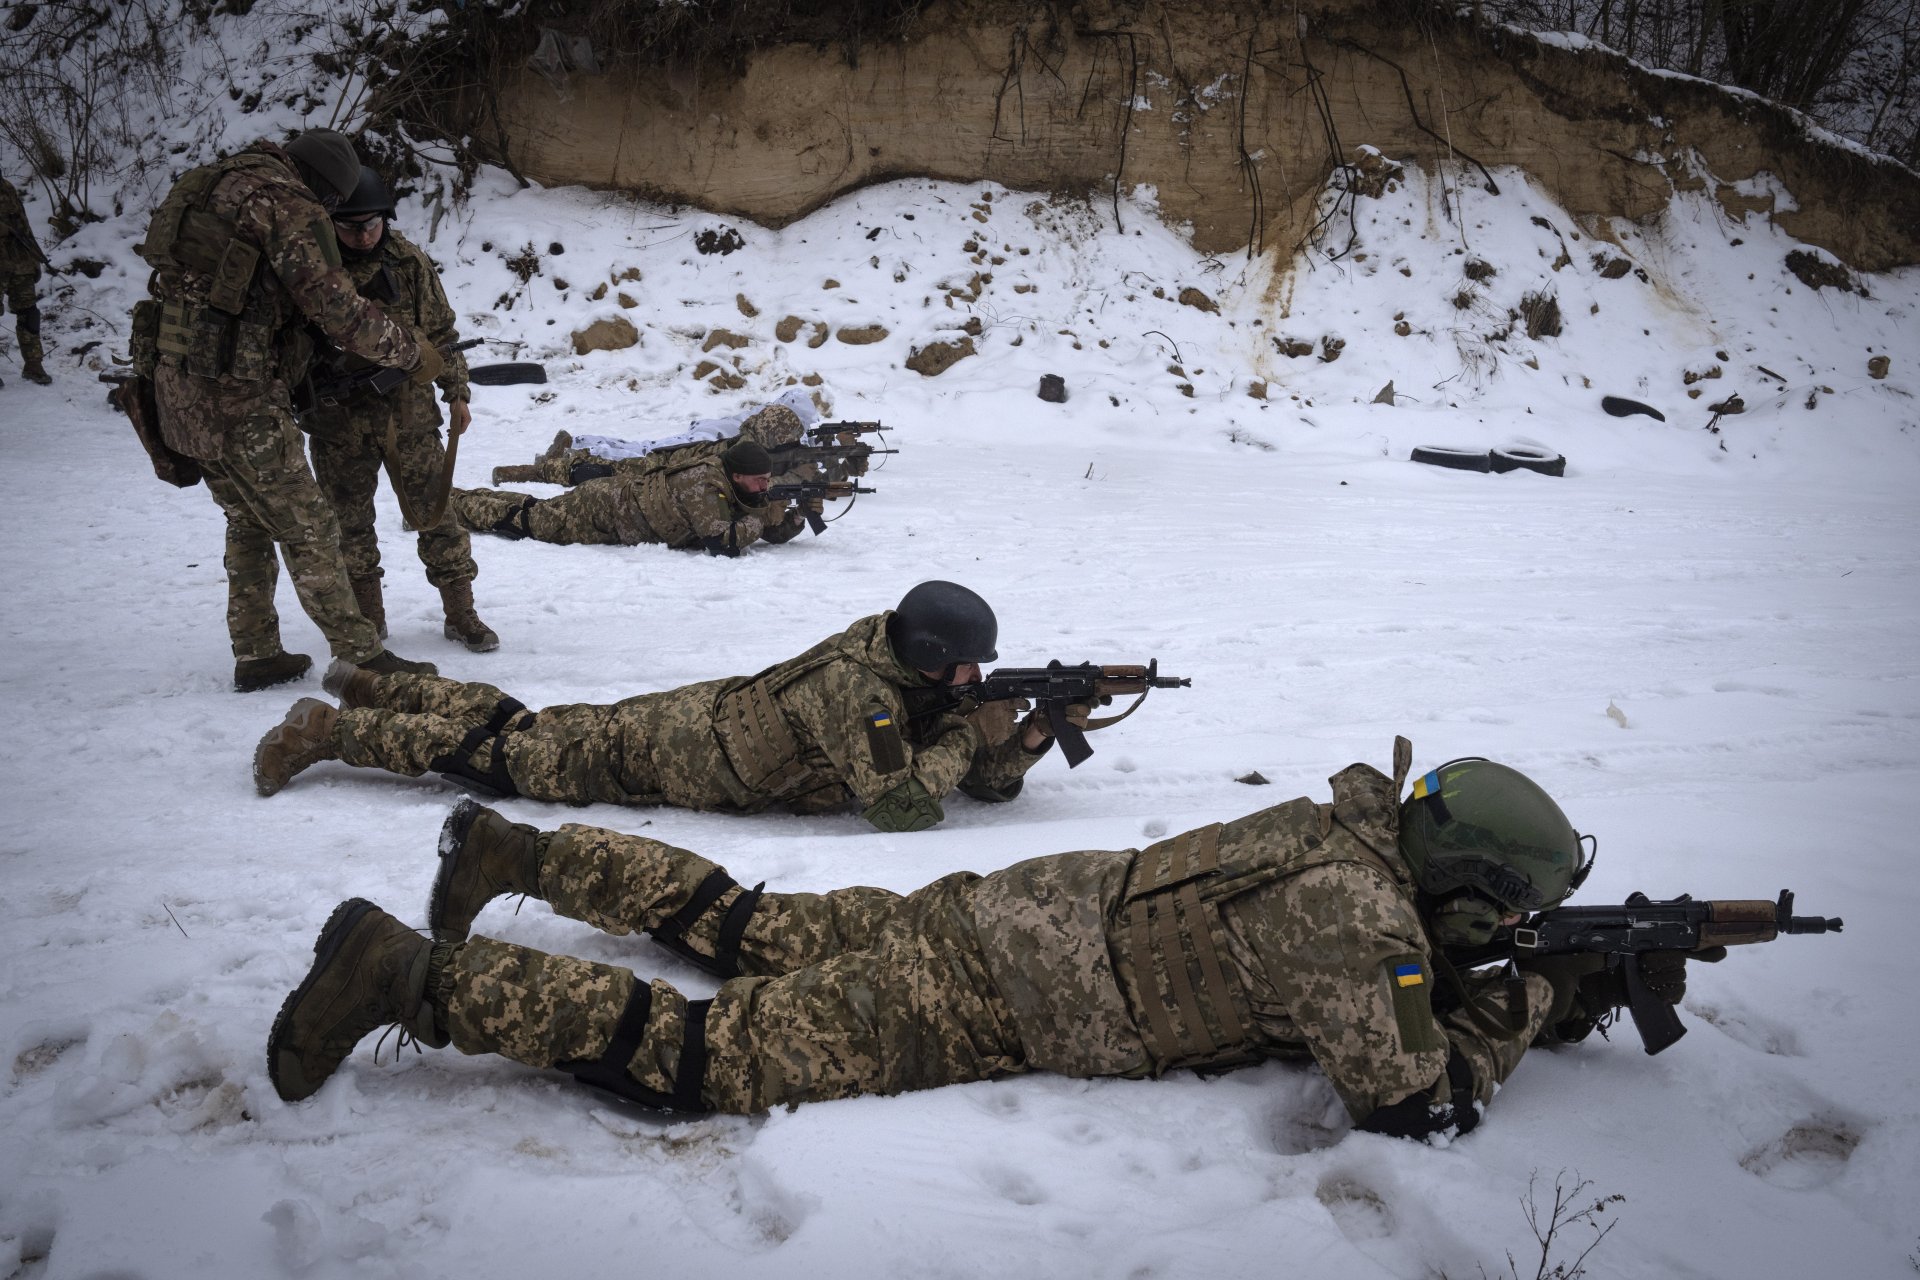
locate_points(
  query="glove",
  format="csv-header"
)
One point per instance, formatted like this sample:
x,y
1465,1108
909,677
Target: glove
x,y
1587,989
432,363
1418,1117
1077,713
995,720
907,807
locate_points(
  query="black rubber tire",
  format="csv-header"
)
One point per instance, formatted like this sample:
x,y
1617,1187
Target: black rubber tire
x,y
511,373
1452,459
1620,407
1521,459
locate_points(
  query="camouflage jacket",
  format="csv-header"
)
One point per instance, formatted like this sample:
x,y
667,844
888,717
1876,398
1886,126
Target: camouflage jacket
x,y
819,748
695,505
405,282
300,279
19,251
1304,913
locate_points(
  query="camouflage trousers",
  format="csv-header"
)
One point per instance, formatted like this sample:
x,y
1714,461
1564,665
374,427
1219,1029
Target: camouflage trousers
x,y
850,992
347,453
262,484
653,749
604,512
18,288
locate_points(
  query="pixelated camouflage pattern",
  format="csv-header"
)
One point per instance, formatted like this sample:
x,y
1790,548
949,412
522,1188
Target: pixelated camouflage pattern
x,y
662,748
680,509
348,441
771,425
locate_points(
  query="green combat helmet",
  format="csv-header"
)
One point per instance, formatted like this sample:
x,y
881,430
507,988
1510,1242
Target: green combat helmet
x,y
1484,841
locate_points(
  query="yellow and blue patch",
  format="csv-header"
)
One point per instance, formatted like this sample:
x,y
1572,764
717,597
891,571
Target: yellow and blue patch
x,y
1408,975
882,720
1429,785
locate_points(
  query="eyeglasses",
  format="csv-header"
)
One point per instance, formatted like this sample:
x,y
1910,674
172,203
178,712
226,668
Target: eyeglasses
x,y
359,222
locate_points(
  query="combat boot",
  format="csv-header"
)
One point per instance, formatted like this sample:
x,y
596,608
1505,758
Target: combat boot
x,y
31,352
253,674
387,663
517,473
369,970
463,624
482,856
373,606
34,371
353,686
303,739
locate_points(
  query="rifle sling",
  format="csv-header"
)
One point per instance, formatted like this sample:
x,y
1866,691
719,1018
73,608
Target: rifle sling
x,y
1103,721
437,493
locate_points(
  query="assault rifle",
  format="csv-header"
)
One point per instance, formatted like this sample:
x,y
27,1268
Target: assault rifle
x,y
132,395
844,432
26,241
814,491
1625,932
1054,688
331,390
831,461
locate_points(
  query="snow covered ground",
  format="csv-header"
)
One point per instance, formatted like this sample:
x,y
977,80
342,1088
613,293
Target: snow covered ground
x,y
1701,641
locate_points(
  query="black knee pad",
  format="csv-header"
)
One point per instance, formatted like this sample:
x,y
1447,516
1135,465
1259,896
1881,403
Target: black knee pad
x,y
725,962
609,1070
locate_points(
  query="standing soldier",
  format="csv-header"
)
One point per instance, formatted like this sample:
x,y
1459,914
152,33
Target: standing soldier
x,y
244,258
1304,930
350,440
20,260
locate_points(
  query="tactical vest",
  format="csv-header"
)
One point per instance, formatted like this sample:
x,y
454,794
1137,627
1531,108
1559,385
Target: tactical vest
x,y
659,507
228,327
754,733
1169,922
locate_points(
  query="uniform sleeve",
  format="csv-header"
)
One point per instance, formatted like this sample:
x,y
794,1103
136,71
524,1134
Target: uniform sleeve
x,y
442,328
704,500
855,718
1348,961
999,771
298,243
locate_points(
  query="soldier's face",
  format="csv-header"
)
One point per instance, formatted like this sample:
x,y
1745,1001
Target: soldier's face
x,y
752,484
360,234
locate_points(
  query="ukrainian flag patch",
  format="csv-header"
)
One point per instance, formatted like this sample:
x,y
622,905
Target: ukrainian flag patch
x,y
888,753
882,720
1408,975
1429,785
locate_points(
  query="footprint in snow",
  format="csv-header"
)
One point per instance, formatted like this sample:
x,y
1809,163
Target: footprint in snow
x,y
1012,1184
1358,1211
1754,1030
1810,1154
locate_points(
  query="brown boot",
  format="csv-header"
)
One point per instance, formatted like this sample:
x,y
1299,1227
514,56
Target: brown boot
x,y
463,624
387,662
34,371
368,970
516,473
482,856
31,352
562,443
304,738
373,606
253,674
353,686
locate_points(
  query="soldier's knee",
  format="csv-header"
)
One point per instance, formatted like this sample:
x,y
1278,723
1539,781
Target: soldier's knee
x,y
725,960
609,1070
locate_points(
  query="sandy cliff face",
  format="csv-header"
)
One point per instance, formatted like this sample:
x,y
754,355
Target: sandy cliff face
x,y
1234,112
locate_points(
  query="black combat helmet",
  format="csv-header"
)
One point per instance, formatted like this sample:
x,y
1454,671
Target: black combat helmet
x,y
938,624
369,196
1484,841
328,164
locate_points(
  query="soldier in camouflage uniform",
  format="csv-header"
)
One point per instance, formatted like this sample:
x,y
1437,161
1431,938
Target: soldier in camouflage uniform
x,y
350,440
817,733
1303,930
686,498
20,259
244,259
570,462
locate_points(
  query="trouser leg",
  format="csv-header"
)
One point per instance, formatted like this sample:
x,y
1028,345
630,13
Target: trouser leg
x,y
621,883
348,470
913,1011
445,550
267,471
253,573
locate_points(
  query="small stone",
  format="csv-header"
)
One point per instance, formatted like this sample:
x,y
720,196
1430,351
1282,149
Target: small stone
x,y
724,338
788,329
819,335
747,309
812,380
1257,390
1192,297
1385,394
724,240
1402,328
1331,347
627,300
1879,367
1053,388
829,283
973,326
1292,348
631,273
727,380
1256,778
599,292
935,358
1731,405
704,369
613,334
861,335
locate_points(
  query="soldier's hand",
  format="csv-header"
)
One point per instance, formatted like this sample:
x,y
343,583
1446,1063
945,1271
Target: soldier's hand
x,y
1567,974
1665,972
995,720
432,363
459,416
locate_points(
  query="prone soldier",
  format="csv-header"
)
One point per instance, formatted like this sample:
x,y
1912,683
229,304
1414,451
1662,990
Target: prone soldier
x,y
350,440
568,461
244,259
20,259
684,499
1319,930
